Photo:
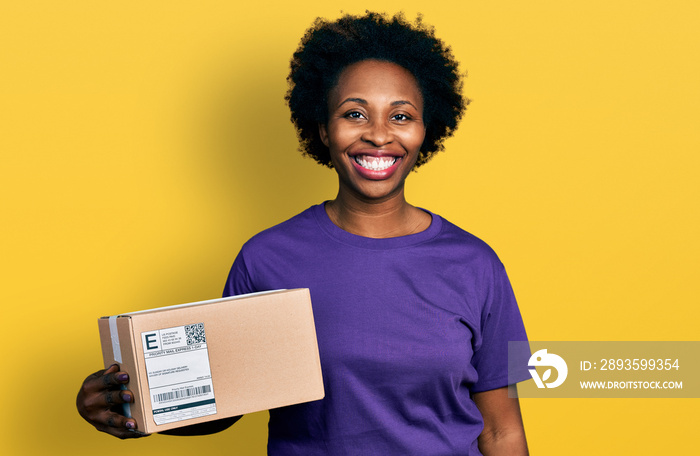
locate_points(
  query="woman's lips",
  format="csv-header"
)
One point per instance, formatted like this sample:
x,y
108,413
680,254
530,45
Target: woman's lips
x,y
374,163
375,167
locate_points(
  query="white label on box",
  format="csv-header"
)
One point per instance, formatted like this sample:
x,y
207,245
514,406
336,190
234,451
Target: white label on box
x,y
179,376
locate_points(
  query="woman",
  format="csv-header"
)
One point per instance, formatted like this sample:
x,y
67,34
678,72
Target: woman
x,y
413,314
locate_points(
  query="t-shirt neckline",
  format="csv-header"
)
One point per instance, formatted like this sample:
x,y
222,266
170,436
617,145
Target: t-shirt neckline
x,y
339,234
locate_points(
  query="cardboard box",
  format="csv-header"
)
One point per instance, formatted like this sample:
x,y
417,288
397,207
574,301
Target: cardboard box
x,y
214,359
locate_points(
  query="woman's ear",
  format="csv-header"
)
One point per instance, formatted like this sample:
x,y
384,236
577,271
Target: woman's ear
x,y
323,133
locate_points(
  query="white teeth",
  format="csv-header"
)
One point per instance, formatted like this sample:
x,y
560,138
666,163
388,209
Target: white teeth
x,y
375,163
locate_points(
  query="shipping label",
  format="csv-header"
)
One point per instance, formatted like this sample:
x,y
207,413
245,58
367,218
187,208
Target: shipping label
x,y
179,374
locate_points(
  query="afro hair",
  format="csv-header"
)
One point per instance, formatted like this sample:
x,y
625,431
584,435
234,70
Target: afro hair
x,y
328,47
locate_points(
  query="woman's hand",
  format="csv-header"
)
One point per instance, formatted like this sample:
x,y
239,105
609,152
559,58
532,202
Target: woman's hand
x,y
99,399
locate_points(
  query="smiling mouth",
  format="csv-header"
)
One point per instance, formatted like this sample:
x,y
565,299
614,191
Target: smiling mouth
x,y
375,163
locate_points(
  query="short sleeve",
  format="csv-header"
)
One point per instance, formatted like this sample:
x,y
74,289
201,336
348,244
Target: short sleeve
x,y
239,280
500,322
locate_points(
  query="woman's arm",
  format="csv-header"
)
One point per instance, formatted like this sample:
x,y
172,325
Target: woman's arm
x,y
504,434
210,427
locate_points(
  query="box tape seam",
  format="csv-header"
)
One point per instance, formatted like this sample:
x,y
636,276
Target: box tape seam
x,y
114,335
117,353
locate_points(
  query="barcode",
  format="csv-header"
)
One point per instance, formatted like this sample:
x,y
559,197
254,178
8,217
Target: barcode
x,y
178,394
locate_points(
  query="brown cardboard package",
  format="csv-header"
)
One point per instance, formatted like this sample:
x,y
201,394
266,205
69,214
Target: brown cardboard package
x,y
214,359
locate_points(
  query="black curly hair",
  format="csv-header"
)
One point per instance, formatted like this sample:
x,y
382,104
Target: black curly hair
x,y
330,46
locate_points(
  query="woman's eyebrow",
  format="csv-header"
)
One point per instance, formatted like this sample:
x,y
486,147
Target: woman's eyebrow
x,y
356,100
403,102
364,102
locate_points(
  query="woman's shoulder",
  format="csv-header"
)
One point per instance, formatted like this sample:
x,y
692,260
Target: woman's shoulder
x,y
464,242
297,227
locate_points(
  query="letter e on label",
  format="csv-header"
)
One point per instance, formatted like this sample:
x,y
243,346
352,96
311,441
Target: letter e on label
x,y
151,341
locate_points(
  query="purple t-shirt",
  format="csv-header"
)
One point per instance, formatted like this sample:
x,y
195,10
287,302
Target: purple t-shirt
x,y
408,328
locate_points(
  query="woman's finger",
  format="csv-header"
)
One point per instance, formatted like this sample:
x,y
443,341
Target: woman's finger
x,y
117,425
111,398
110,378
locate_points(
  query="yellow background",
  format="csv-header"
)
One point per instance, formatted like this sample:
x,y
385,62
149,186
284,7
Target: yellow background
x,y
143,142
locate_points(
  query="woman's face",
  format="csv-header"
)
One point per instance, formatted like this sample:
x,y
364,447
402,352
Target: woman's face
x,y
375,128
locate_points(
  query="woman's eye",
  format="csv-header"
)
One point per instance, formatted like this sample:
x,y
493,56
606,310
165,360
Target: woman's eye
x,y
401,117
354,115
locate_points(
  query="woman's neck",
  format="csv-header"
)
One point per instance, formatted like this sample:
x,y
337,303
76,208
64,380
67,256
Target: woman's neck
x,y
392,217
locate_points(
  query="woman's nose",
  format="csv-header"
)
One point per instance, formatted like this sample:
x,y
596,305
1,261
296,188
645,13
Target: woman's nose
x,y
377,133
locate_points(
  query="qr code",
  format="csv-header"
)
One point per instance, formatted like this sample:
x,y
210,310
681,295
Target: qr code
x,y
195,334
